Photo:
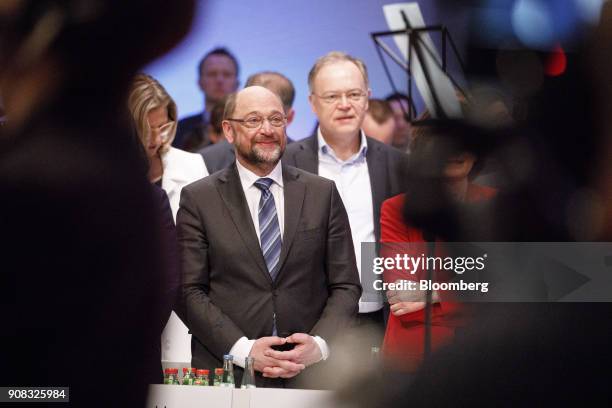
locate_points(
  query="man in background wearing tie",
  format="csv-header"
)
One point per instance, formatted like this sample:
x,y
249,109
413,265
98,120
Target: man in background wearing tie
x,y
266,252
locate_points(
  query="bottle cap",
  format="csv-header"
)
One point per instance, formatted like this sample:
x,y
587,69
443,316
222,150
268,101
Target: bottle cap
x,y
228,357
202,372
218,371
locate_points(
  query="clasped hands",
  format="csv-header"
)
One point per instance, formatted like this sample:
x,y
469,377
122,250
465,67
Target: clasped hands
x,y
408,301
285,364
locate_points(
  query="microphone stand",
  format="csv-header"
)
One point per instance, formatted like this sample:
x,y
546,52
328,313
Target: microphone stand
x,y
431,247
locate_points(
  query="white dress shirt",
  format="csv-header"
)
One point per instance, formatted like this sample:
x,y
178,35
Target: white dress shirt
x,y
242,348
180,168
352,180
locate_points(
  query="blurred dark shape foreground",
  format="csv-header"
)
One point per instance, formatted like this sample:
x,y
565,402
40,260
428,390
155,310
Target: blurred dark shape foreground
x,y
80,284
556,171
517,355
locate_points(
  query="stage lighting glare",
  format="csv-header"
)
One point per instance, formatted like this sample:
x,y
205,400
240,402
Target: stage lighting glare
x,y
556,62
589,10
532,23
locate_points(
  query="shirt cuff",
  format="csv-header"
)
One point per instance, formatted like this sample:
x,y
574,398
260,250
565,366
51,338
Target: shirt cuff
x,y
322,346
241,350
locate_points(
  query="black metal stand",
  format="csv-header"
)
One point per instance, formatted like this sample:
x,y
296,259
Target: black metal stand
x,y
416,46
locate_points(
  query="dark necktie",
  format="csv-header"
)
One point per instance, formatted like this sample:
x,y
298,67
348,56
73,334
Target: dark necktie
x,y
269,230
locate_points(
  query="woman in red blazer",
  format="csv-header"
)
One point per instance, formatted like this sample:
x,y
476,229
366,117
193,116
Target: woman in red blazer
x,y
403,345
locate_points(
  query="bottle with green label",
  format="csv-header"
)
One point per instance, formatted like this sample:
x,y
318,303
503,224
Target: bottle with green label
x,y
188,376
167,376
171,376
218,377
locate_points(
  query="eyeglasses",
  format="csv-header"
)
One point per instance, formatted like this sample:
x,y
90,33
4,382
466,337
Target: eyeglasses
x,y
355,95
255,122
164,130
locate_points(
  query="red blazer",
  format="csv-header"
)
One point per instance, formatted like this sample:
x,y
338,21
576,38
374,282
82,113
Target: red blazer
x,y
404,337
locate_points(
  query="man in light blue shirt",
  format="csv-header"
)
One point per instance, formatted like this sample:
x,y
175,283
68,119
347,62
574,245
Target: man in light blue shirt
x,y
365,171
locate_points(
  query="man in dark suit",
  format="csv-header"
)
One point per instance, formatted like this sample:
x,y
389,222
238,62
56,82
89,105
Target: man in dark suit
x,y
221,155
365,171
217,78
267,254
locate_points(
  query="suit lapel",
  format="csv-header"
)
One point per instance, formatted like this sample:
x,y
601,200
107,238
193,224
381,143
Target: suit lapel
x,y
307,157
231,192
294,192
377,168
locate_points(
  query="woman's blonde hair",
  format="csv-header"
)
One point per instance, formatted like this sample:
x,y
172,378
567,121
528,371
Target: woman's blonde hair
x,y
145,95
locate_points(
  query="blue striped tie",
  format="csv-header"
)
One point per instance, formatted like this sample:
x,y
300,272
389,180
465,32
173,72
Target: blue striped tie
x,y
269,231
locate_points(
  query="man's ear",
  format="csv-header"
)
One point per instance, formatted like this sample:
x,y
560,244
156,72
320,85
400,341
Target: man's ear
x,y
367,106
201,83
311,102
290,116
228,131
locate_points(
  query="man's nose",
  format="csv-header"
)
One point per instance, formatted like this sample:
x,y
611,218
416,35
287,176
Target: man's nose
x,y
343,103
266,127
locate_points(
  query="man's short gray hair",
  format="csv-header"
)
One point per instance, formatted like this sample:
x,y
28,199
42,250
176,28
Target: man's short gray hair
x,y
331,58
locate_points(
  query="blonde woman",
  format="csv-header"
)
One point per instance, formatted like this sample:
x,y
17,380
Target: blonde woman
x,y
155,118
155,114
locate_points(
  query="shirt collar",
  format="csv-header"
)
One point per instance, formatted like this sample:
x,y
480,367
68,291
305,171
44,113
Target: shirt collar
x,y
248,178
324,148
173,167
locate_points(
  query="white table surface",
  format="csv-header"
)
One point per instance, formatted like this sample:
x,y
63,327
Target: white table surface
x,y
186,396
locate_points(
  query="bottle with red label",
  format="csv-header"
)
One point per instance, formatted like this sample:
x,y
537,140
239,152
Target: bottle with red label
x,y
171,376
188,376
201,378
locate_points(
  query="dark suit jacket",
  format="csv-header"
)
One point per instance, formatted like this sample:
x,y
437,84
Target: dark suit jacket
x,y
385,166
228,290
190,127
218,156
